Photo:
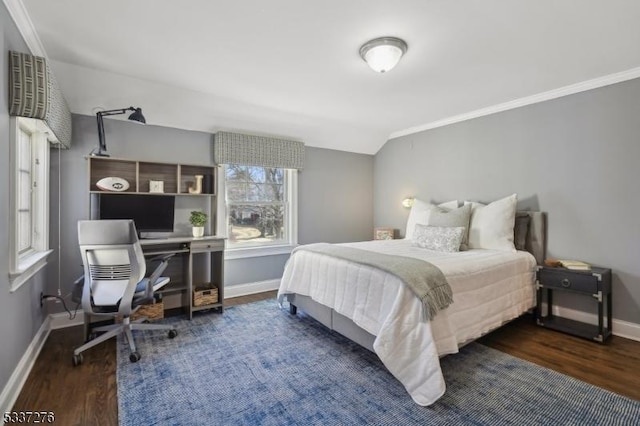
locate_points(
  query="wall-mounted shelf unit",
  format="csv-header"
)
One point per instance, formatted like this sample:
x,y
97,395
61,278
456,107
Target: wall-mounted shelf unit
x,y
176,178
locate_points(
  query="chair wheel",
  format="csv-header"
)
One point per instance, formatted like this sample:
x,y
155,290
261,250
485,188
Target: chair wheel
x,y
134,357
172,333
77,360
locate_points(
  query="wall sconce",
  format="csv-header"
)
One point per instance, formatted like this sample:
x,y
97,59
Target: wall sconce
x,y
135,116
407,202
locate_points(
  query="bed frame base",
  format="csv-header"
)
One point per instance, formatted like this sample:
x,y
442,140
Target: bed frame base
x,y
331,319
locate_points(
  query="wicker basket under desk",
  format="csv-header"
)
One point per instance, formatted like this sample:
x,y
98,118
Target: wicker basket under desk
x,y
205,294
154,311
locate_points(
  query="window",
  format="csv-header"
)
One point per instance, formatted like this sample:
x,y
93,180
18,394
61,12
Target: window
x,y
260,208
29,199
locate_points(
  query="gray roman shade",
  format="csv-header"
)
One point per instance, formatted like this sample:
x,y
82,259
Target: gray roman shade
x,y
236,148
34,93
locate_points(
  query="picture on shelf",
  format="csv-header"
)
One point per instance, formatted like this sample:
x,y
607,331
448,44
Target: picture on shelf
x,y
156,186
383,234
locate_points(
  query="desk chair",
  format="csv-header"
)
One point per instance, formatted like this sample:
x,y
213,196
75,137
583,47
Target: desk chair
x,y
114,283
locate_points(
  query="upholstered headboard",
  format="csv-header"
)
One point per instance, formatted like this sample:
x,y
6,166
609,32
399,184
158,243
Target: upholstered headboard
x,y
530,234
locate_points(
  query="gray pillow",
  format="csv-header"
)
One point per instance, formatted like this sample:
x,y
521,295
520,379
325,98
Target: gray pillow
x,y
452,218
439,238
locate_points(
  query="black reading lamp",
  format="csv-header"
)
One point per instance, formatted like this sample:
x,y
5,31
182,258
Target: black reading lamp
x,y
136,115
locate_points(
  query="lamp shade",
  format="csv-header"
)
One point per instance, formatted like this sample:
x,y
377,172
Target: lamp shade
x,y
137,116
407,202
383,54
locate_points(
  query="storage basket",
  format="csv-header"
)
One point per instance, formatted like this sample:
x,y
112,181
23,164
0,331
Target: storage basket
x,y
205,294
154,311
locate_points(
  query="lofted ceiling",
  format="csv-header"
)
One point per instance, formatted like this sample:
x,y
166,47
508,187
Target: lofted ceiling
x,y
291,68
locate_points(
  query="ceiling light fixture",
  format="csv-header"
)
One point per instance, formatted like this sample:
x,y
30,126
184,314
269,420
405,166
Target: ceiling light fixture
x,y
384,53
136,116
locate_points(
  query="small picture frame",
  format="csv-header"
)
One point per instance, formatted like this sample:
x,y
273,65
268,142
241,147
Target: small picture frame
x,y
383,234
156,186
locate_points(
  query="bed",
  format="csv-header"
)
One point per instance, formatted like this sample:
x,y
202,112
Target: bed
x,y
378,311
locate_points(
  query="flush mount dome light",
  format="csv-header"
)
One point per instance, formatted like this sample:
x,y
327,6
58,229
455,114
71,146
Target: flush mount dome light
x,y
384,53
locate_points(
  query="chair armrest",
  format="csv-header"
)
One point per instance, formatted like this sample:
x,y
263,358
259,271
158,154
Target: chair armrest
x,y
164,262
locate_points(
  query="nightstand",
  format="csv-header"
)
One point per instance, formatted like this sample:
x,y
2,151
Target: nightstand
x,y
595,284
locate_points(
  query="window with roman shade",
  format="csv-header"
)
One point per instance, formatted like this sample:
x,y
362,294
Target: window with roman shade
x,y
259,179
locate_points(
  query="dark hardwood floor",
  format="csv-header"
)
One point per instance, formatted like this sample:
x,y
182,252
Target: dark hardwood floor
x,y
86,395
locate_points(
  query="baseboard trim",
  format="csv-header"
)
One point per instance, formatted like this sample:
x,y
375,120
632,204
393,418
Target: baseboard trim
x,y
625,329
62,320
251,288
20,374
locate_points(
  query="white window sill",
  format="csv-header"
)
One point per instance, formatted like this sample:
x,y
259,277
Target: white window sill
x,y
27,268
246,252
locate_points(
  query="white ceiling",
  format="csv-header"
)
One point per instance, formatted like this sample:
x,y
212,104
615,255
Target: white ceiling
x,y
291,68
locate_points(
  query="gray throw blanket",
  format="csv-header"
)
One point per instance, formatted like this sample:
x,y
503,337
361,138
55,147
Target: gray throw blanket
x,y
425,279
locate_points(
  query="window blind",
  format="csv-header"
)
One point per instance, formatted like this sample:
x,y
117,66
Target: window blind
x,y
237,148
34,93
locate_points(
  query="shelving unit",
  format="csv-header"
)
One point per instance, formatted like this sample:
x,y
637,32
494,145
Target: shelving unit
x,y
177,178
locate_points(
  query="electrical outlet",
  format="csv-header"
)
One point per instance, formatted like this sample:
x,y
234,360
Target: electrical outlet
x,y
44,298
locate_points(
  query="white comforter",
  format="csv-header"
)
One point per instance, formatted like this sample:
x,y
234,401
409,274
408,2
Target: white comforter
x,y
489,288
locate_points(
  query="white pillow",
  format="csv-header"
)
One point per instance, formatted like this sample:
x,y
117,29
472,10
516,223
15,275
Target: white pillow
x,y
439,238
491,226
420,214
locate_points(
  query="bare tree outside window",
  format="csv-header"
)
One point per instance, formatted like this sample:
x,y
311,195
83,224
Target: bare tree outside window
x,y
256,203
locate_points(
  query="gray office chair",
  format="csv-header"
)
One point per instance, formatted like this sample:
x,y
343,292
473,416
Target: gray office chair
x,y
114,283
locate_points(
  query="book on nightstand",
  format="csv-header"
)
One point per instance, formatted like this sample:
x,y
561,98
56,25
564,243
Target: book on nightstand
x,y
575,265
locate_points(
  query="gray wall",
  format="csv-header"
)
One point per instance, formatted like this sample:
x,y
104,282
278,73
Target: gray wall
x,y
20,313
575,158
335,191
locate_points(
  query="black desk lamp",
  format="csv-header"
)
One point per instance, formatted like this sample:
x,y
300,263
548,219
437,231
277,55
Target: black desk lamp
x,y
135,116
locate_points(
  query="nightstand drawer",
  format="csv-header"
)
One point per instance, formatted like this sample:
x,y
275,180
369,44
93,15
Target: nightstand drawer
x,y
566,280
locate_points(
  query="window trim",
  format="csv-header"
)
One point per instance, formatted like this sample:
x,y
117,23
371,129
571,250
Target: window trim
x,y
291,212
23,266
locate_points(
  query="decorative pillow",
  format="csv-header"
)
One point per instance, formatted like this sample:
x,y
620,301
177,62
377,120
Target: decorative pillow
x,y
521,230
453,218
439,238
491,226
420,214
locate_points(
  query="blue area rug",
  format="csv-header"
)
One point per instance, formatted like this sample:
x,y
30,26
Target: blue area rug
x,y
256,364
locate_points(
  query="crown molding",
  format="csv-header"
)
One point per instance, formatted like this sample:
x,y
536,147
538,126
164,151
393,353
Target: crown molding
x,y
21,17
534,99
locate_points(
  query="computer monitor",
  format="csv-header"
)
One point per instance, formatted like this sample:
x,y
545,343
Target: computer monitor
x,y
150,213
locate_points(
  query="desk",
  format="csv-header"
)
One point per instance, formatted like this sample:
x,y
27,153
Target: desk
x,y
196,261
